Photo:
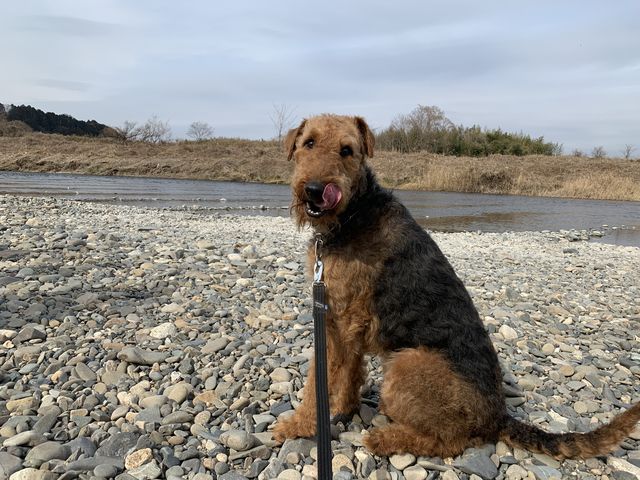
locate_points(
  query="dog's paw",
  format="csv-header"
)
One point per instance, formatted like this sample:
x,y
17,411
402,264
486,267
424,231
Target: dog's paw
x,y
293,427
376,443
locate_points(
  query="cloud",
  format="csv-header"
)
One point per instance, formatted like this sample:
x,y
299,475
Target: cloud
x,y
63,84
565,70
61,25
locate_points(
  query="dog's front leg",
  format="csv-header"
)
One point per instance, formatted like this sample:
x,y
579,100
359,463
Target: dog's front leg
x,y
346,375
303,421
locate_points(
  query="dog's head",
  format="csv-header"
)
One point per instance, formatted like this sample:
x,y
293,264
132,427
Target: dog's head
x,y
329,153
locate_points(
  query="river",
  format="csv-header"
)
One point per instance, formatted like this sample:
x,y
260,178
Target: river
x,y
438,211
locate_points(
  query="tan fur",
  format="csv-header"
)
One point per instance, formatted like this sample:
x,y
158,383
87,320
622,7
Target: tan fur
x,y
435,411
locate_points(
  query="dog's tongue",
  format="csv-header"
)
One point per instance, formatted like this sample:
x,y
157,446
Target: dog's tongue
x,y
330,197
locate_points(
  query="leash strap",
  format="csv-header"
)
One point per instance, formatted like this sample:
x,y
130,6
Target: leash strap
x,y
323,424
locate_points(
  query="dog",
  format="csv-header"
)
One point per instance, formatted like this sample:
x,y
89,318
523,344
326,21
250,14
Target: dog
x,y
391,292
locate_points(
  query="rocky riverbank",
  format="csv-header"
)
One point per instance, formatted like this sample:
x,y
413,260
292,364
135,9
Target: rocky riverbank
x,y
142,343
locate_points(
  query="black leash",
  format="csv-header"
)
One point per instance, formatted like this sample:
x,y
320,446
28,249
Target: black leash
x,y
323,424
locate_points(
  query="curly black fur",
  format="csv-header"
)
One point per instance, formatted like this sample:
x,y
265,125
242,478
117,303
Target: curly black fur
x,y
418,297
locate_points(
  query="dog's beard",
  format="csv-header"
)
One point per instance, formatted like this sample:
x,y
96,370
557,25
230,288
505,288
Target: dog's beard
x,y
322,223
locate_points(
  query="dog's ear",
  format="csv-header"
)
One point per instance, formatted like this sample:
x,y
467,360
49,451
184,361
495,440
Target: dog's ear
x,y
366,134
290,139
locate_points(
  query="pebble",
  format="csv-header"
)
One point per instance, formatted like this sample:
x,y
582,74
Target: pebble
x,y
175,348
507,332
237,440
138,458
478,462
9,464
402,461
44,452
33,474
148,470
621,465
416,472
138,356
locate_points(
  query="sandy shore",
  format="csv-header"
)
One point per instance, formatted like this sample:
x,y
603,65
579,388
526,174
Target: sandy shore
x,y
143,343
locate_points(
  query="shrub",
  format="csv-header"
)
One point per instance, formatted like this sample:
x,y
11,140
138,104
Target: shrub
x,y
426,128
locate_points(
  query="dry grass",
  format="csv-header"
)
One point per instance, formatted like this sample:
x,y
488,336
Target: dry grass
x,y
263,161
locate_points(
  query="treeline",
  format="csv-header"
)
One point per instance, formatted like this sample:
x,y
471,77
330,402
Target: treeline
x,y
49,122
426,128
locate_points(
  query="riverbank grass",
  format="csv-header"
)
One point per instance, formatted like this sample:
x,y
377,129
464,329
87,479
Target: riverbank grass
x,y
264,161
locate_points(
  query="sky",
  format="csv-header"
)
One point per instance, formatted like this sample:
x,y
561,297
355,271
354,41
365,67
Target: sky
x,y
566,70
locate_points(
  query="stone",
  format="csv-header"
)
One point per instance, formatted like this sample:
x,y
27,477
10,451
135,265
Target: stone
x,y
172,308
44,452
29,332
138,356
341,461
516,472
238,440
9,464
567,370
619,464
106,471
178,392
138,458
543,472
33,474
215,345
164,330
118,444
87,299
30,438
507,332
178,417
233,475
301,446
89,464
21,404
280,375
85,373
148,470
402,461
450,475
205,245
415,472
476,461
548,348
289,474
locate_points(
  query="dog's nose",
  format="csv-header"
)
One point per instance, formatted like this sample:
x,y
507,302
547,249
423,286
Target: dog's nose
x,y
314,191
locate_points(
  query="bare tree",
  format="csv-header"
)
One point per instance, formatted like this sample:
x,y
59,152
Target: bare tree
x,y
577,153
155,131
200,131
129,131
598,152
422,128
628,151
282,118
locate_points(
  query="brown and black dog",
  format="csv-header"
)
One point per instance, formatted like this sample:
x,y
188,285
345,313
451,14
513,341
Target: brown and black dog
x,y
392,292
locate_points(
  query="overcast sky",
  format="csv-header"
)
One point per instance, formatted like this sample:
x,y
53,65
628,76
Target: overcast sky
x,y
568,70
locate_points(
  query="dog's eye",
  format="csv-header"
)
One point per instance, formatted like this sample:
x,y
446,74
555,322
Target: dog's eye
x,y
346,152
309,143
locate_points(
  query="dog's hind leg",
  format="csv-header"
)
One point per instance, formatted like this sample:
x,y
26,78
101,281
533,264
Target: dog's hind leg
x,y
435,411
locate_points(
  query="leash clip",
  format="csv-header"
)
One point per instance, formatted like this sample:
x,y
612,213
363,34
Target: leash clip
x,y
318,266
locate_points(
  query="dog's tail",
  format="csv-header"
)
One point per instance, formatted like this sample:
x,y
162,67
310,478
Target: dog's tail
x,y
571,445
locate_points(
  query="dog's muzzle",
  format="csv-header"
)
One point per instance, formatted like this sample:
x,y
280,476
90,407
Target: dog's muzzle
x,y
321,198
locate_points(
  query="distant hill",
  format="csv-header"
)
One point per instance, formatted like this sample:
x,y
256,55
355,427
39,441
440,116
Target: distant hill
x,y
49,122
